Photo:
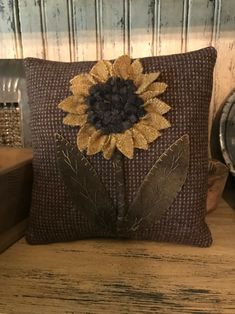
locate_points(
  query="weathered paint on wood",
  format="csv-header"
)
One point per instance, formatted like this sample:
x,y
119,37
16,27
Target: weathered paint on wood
x,y
56,32
8,29
86,30
142,21
111,276
112,23
200,24
93,29
32,34
225,44
171,27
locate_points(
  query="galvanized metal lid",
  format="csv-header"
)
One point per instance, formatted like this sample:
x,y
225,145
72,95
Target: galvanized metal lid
x,y
223,133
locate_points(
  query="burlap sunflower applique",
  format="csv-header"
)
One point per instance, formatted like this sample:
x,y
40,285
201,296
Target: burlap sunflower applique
x,y
116,107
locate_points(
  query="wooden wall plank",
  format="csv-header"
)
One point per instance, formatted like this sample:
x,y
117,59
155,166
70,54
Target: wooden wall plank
x,y
31,29
170,32
57,43
8,41
113,23
225,44
200,24
142,24
86,34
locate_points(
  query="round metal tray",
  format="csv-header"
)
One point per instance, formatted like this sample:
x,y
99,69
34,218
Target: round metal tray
x,y
223,133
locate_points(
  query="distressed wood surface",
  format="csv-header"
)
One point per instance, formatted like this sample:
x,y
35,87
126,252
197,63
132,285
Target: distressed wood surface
x,y
225,44
113,25
142,25
32,34
8,30
110,276
86,37
171,37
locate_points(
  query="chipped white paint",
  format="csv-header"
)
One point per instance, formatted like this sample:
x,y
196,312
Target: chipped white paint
x,y
8,41
171,27
31,30
200,24
112,28
142,22
93,29
56,29
225,67
86,29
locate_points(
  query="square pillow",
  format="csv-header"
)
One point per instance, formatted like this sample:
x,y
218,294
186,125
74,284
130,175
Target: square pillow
x,y
130,200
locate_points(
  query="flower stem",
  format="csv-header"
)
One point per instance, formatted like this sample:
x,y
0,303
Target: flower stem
x,y
118,163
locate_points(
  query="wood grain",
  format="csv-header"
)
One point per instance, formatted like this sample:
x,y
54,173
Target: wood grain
x,y
32,33
8,30
107,276
170,27
142,24
112,29
86,30
57,44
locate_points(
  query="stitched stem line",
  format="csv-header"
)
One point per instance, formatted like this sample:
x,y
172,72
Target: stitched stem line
x,y
118,163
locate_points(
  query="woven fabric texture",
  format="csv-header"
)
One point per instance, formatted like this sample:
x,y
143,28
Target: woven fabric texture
x,y
53,217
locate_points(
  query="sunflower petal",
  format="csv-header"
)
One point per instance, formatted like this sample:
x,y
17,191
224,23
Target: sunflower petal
x,y
109,147
100,71
139,140
157,121
159,87
83,136
96,142
149,95
84,79
68,105
91,79
157,105
125,143
80,89
109,66
147,79
75,119
81,109
122,67
136,69
147,131
138,80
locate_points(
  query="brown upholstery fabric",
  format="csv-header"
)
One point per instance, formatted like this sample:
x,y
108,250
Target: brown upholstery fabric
x,y
53,217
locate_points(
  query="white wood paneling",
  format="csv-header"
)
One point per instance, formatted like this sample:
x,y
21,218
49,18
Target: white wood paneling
x,y
112,25
225,44
171,27
8,35
86,29
93,29
31,29
200,24
142,24
56,29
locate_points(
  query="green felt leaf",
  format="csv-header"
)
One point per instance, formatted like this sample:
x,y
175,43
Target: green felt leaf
x,y
160,186
84,186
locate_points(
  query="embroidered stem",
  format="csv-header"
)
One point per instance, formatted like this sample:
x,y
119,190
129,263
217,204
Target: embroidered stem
x,y
118,163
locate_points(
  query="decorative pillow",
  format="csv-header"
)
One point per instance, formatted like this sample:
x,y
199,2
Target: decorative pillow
x,y
120,148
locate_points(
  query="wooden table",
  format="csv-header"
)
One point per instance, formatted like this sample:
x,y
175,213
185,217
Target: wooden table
x,y
106,276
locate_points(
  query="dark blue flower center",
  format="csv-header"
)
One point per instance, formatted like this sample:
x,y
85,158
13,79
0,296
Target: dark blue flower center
x,y
113,106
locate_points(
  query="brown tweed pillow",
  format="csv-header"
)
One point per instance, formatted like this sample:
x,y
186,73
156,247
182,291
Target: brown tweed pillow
x,y
53,215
